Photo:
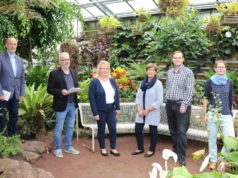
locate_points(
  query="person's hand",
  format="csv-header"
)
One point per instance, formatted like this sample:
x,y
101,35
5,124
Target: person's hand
x,y
2,98
205,119
118,112
64,92
22,98
182,110
77,92
96,117
141,114
146,111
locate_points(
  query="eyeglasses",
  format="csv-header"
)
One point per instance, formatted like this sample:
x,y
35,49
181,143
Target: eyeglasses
x,y
104,68
220,67
64,59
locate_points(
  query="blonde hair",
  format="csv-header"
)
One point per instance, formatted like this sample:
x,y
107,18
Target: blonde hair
x,y
103,62
152,65
175,52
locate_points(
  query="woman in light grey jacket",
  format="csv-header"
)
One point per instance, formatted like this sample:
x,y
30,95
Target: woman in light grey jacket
x,y
148,100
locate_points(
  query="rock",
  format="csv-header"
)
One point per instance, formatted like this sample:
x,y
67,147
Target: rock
x,y
21,169
30,156
35,146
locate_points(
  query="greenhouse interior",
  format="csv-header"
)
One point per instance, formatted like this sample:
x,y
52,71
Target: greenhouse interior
x,y
76,78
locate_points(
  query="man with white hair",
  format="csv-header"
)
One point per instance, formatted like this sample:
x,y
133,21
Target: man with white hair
x,y
64,103
12,81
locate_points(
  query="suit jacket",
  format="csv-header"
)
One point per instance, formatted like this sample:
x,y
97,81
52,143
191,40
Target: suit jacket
x,y
56,83
9,82
97,96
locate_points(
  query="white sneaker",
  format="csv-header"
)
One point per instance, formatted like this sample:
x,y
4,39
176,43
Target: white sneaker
x,y
58,153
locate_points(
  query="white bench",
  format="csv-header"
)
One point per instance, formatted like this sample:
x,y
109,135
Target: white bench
x,y
126,122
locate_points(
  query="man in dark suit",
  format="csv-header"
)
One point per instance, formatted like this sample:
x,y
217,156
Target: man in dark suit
x,y
64,103
12,79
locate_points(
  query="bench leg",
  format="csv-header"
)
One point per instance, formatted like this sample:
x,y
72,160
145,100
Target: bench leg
x,y
93,146
77,123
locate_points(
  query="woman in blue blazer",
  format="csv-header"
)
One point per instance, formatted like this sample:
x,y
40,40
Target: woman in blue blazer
x,y
104,102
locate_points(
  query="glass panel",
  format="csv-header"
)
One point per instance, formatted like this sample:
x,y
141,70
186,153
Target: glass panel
x,y
85,13
145,4
124,8
95,11
197,2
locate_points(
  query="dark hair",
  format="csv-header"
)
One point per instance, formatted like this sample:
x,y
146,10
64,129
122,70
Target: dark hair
x,y
177,52
220,61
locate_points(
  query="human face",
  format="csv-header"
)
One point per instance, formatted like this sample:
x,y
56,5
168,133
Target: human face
x,y
104,70
11,45
64,61
220,69
178,60
151,73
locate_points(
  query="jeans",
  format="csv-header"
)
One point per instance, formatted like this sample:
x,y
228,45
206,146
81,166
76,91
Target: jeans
x,y
11,106
139,136
178,127
68,115
227,129
109,118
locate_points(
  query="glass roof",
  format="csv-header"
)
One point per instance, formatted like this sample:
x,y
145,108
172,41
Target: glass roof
x,y
96,9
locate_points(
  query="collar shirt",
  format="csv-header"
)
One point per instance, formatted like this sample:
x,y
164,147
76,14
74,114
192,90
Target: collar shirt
x,y
13,62
180,86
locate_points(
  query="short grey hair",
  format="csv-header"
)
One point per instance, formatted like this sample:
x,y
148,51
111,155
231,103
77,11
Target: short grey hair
x,y
63,54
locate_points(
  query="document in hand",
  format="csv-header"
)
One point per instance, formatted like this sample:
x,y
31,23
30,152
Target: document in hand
x,y
73,90
7,94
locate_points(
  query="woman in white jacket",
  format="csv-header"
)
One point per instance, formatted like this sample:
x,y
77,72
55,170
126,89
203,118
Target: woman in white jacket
x,y
148,101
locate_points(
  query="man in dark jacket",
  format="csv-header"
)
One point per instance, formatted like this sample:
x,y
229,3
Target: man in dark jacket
x,y
60,82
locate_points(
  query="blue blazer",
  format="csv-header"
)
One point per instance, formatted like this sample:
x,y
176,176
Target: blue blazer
x,y
97,96
7,79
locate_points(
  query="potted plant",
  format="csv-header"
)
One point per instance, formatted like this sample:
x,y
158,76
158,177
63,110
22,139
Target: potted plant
x,y
229,12
213,24
137,28
143,14
109,24
173,8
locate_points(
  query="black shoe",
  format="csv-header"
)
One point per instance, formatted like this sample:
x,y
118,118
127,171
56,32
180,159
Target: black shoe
x,y
148,155
182,163
104,154
137,152
114,154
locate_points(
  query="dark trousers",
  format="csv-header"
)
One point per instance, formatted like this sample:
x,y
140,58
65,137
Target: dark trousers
x,y
11,106
109,118
139,136
178,127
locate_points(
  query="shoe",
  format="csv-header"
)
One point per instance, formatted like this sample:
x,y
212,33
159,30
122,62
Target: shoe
x,y
104,154
58,153
148,155
182,163
137,152
72,151
213,165
114,154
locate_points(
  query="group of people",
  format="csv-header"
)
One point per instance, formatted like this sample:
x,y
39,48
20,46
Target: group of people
x,y
105,106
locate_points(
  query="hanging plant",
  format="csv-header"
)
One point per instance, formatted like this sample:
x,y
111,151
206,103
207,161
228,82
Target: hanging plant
x,y
137,28
213,24
143,15
108,25
173,8
229,12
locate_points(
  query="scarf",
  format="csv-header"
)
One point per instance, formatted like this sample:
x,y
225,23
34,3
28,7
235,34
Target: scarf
x,y
147,85
219,79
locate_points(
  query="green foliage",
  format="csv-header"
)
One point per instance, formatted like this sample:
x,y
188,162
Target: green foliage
x,y
198,93
37,75
34,109
228,8
39,24
109,22
83,95
231,143
10,145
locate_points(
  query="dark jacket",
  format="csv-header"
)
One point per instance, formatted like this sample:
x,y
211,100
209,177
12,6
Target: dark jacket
x,y
56,83
97,96
209,96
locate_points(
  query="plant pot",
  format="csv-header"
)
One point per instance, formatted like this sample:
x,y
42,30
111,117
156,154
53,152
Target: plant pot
x,y
142,18
229,20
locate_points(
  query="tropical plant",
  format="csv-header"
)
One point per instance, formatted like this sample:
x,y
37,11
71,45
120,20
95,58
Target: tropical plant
x,y
228,8
83,95
9,145
109,22
213,24
37,75
38,24
173,8
198,93
35,108
137,28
